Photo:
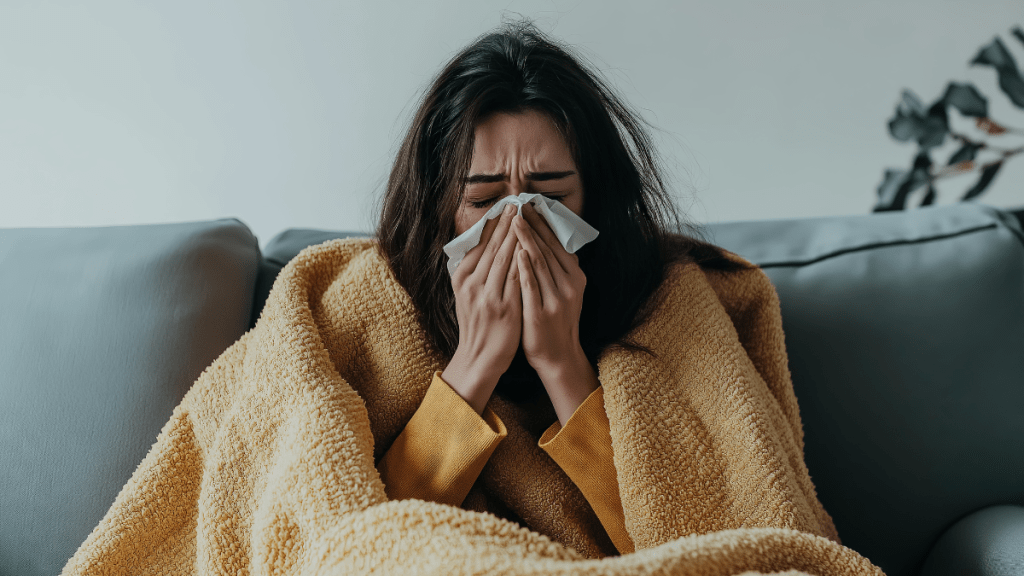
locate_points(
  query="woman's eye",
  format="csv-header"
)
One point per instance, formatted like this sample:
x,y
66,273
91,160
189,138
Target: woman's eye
x,y
487,202
483,203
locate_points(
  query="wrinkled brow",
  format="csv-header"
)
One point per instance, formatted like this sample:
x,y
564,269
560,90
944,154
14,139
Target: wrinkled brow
x,y
532,176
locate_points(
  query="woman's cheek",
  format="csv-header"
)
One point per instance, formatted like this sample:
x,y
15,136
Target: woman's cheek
x,y
576,204
466,217
463,220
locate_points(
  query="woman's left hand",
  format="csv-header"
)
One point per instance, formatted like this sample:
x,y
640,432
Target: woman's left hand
x,y
552,284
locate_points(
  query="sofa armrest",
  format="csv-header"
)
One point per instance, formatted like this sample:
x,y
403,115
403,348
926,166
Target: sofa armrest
x,y
989,542
102,331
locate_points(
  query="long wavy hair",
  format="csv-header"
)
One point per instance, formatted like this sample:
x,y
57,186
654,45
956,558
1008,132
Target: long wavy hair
x,y
514,69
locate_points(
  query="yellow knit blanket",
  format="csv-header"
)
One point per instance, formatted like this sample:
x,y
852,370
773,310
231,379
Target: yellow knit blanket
x,y
267,465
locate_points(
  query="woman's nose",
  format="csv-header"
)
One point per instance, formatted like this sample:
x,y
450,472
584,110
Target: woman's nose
x,y
518,185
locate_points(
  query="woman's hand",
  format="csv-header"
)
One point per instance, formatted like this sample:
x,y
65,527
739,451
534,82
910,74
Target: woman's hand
x,y
489,310
552,286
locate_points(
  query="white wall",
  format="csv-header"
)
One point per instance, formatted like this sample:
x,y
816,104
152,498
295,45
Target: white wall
x,y
286,113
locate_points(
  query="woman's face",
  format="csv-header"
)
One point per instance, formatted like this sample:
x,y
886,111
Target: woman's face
x,y
516,154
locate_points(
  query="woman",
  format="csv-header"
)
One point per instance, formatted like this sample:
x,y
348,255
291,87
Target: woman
x,y
515,113
530,410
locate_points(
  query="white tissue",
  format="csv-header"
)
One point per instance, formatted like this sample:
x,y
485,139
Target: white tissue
x,y
569,228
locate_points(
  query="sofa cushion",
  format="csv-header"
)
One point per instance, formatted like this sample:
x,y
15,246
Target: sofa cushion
x,y
905,334
287,245
102,331
989,542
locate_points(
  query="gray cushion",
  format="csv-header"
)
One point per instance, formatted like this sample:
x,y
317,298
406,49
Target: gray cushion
x,y
102,330
286,245
905,334
989,542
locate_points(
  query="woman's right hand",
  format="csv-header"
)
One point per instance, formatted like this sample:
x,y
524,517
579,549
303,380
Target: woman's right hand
x,y
489,309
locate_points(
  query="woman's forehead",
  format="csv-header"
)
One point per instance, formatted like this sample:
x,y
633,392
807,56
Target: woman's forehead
x,y
524,141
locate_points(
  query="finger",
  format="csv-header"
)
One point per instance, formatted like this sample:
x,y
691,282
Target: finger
x,y
540,256
532,299
565,260
512,288
472,257
498,272
495,243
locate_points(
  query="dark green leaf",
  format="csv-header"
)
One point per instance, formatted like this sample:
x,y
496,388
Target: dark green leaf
x,y
1013,85
903,128
922,162
934,127
1010,80
1018,33
966,152
995,55
966,99
913,121
910,104
929,198
889,197
897,185
933,133
986,178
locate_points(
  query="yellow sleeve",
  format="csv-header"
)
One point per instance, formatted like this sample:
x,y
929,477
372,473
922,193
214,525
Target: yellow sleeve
x,y
442,450
583,449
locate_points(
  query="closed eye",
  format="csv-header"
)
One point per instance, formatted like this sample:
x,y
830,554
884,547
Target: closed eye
x,y
557,196
483,203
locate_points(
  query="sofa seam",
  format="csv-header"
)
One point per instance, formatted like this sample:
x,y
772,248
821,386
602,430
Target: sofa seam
x,y
872,246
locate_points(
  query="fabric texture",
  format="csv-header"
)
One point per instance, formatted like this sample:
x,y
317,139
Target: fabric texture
x,y
267,465
583,449
442,450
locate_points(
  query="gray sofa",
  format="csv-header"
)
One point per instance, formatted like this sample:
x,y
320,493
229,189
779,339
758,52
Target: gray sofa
x,y
905,334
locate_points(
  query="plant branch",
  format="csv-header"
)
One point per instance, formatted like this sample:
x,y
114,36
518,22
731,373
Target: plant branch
x,y
970,165
985,145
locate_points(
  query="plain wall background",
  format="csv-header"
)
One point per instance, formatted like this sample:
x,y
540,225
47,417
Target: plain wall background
x,y
287,113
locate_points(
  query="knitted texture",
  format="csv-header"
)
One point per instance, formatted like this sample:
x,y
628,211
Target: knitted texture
x,y
267,465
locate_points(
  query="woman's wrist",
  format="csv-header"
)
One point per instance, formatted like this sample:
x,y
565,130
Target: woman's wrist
x,y
471,379
568,382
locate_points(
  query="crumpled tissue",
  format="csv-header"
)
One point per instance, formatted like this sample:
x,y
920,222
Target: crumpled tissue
x,y
569,228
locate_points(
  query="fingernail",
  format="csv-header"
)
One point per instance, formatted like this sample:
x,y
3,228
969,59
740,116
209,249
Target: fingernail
x,y
509,209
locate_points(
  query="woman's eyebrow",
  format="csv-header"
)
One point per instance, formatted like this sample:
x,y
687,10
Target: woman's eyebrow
x,y
484,178
532,176
541,176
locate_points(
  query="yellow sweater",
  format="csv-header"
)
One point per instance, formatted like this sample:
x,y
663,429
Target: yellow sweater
x,y
268,465
442,450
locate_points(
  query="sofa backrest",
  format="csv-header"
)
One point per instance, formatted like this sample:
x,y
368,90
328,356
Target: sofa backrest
x,y
102,331
905,334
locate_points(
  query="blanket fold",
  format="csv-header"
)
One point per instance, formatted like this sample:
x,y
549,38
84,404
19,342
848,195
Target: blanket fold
x,y
268,464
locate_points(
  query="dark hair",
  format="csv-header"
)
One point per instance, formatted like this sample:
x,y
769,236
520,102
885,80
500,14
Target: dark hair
x,y
515,69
